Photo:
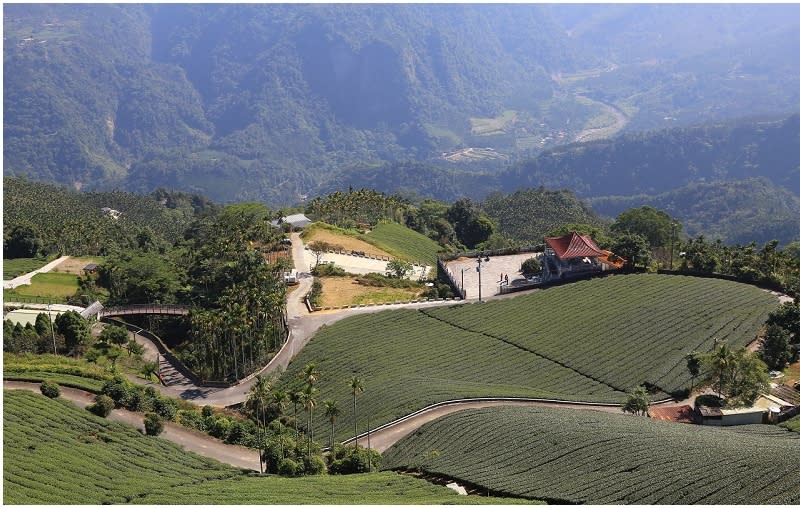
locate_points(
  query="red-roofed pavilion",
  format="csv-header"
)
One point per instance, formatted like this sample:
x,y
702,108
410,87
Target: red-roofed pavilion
x,y
573,246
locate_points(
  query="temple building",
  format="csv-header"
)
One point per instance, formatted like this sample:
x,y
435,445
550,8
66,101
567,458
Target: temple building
x,y
575,255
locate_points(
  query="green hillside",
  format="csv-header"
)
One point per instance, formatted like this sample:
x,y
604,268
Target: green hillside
x,y
740,211
569,456
528,215
404,243
588,341
56,453
66,221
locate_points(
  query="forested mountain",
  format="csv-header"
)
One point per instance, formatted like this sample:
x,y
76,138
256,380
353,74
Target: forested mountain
x,y
738,211
272,101
658,161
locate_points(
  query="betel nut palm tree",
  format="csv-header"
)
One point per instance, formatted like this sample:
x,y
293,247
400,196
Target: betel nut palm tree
x,y
357,386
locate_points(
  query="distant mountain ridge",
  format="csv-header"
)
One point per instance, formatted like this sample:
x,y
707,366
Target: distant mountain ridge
x,y
286,95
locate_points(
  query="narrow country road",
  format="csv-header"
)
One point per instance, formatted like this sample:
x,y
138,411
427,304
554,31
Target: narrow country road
x,y
190,440
25,279
388,435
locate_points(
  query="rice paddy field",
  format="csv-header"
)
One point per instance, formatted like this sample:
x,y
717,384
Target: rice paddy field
x,y
591,341
56,453
568,456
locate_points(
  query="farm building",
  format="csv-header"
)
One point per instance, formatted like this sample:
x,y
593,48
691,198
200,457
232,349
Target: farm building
x,y
724,417
574,255
297,220
90,268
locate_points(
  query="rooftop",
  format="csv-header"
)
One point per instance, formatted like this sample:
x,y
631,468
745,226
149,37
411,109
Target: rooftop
x,y
680,414
574,245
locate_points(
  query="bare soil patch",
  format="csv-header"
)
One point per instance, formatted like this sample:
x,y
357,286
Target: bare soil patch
x,y
338,291
347,243
75,265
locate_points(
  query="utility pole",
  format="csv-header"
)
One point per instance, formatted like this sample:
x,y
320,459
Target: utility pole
x,y
480,255
672,246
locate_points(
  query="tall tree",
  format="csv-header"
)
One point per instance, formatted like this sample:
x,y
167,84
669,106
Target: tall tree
x,y
654,225
357,387
693,364
257,399
738,375
775,350
74,329
332,411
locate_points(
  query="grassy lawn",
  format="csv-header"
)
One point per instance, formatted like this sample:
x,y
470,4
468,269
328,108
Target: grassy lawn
x,y
56,453
338,291
16,267
791,373
47,285
589,341
404,243
573,456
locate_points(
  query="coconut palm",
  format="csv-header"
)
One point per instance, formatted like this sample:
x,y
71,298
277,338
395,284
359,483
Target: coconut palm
x,y
357,386
332,412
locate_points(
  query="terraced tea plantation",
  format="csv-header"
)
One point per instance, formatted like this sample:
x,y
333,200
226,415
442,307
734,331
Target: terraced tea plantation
x,y
576,456
589,341
404,243
56,453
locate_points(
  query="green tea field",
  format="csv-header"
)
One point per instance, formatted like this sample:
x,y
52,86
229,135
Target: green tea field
x,y
404,243
590,341
573,457
56,453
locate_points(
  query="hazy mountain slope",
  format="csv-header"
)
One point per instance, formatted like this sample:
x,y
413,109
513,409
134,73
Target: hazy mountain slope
x,y
738,211
659,161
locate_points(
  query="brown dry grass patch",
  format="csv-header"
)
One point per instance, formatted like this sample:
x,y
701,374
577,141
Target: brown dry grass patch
x,y
338,291
75,265
347,243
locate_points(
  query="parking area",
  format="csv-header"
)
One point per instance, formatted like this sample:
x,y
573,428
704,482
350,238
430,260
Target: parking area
x,y
466,269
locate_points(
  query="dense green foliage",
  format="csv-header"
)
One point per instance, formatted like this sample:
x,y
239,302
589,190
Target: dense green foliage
x,y
793,424
65,221
528,215
591,341
572,456
16,267
738,211
737,374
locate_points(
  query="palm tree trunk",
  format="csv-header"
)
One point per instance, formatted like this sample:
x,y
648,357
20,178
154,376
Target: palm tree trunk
x,y
355,420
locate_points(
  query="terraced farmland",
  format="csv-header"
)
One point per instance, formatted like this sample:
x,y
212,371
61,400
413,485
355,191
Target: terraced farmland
x,y
55,453
571,456
589,341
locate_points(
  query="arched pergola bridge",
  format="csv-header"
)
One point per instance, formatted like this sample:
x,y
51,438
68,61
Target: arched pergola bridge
x,y
138,309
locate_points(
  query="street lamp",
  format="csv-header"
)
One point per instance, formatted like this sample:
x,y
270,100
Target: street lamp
x,y
480,254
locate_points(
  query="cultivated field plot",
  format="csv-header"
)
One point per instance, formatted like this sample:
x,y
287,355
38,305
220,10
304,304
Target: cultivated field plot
x,y
76,265
16,267
56,453
385,488
408,360
315,232
623,330
590,341
49,285
65,371
403,243
569,456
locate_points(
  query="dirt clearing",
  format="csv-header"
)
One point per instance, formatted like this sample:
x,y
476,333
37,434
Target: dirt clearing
x,y
338,291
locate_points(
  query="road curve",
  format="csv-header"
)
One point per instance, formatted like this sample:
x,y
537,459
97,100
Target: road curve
x,y
190,440
387,435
